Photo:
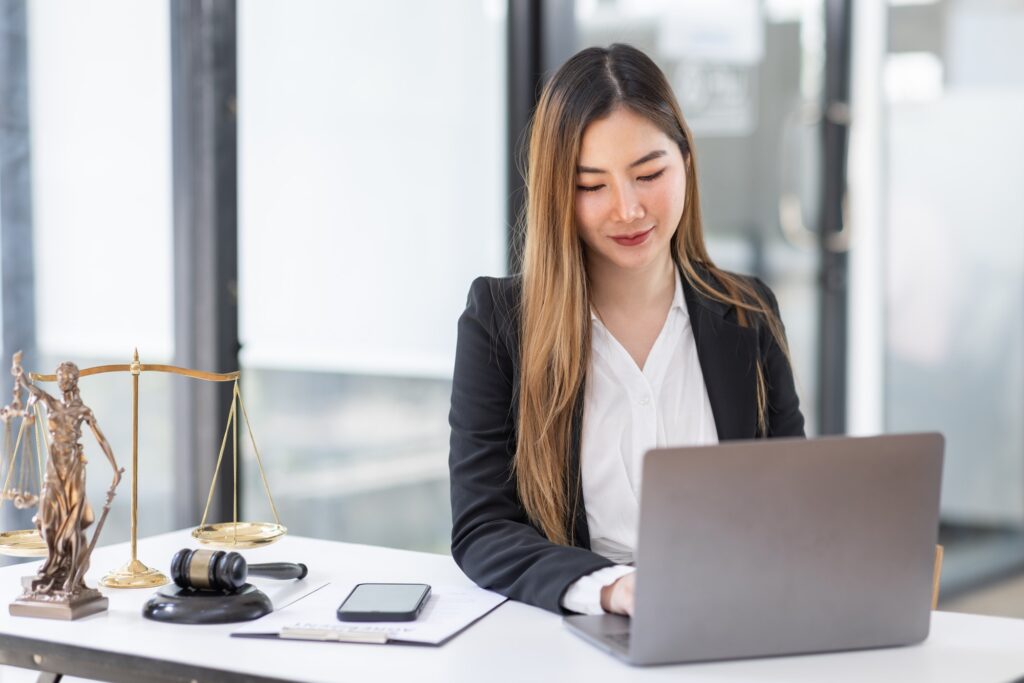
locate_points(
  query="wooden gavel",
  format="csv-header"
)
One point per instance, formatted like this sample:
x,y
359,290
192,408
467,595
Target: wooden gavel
x,y
225,571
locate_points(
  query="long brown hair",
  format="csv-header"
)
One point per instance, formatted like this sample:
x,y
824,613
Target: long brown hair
x,y
555,315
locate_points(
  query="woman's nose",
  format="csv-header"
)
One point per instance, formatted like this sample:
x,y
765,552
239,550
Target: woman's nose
x,y
627,204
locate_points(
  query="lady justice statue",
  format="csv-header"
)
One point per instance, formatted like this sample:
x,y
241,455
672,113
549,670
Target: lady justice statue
x,y
58,590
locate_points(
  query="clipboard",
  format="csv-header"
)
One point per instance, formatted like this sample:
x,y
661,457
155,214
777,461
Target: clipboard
x,y
450,610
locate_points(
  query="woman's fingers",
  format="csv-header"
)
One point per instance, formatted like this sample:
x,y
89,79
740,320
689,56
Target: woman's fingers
x,y
620,595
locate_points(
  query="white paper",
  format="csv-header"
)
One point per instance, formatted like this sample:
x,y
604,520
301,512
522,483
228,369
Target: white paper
x,y
284,593
448,610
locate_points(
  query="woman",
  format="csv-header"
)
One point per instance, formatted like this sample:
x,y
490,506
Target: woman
x,y
619,335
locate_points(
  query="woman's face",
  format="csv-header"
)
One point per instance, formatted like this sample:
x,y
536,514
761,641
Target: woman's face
x,y
630,191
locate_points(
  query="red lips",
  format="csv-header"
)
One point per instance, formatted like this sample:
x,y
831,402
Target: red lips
x,y
635,238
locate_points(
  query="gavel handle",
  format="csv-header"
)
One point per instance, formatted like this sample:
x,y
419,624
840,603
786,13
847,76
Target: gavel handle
x,y
279,570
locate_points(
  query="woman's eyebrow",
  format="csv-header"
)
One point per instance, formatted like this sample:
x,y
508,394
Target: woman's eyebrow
x,y
642,160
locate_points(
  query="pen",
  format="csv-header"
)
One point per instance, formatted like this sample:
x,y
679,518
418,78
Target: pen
x,y
326,634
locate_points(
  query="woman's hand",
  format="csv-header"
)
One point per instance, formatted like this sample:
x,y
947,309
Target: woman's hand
x,y
617,598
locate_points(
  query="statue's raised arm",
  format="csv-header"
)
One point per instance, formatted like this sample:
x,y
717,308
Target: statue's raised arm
x,y
35,393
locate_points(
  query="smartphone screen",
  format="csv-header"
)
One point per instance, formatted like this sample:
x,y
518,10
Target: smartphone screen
x,y
384,602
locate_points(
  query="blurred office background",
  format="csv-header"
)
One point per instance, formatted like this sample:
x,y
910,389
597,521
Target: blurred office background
x,y
304,190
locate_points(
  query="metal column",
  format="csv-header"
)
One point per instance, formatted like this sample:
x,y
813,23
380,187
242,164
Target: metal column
x,y
205,146
16,243
834,240
541,36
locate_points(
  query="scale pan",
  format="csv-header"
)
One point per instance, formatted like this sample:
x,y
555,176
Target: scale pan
x,y
239,534
24,543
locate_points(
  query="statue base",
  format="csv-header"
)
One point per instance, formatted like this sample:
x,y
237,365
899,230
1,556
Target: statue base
x,y
59,605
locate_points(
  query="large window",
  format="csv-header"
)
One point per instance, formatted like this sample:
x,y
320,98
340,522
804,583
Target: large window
x,y
372,160
371,176
953,254
99,85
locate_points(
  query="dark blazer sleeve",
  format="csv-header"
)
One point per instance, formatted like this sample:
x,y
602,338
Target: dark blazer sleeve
x,y
492,539
784,416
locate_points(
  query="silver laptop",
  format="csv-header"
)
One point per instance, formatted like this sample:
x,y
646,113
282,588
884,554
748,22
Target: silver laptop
x,y
780,546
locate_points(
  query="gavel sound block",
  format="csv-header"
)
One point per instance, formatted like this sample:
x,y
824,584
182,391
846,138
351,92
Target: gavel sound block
x,y
210,588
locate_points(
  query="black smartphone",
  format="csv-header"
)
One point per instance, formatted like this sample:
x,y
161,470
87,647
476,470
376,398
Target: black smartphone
x,y
384,602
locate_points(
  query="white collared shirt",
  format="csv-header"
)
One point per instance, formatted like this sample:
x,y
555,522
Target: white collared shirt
x,y
626,412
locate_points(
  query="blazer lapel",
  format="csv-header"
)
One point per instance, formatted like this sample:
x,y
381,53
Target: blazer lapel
x,y
728,356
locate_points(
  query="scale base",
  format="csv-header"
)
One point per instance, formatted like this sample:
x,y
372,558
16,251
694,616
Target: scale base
x,y
191,606
134,575
22,543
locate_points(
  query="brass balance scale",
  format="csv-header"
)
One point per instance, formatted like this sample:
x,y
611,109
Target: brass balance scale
x,y
23,477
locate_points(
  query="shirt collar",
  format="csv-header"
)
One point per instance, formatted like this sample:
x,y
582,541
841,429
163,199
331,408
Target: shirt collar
x,y
678,300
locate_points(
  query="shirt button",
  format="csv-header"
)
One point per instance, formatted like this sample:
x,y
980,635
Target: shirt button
x,y
645,400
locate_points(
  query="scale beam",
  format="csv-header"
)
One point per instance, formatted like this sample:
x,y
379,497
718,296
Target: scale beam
x,y
173,369
231,534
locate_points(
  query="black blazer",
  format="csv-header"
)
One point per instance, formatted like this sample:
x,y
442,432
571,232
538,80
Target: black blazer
x,y
492,540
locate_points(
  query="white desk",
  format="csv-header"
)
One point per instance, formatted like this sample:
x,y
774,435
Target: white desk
x,y
513,643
